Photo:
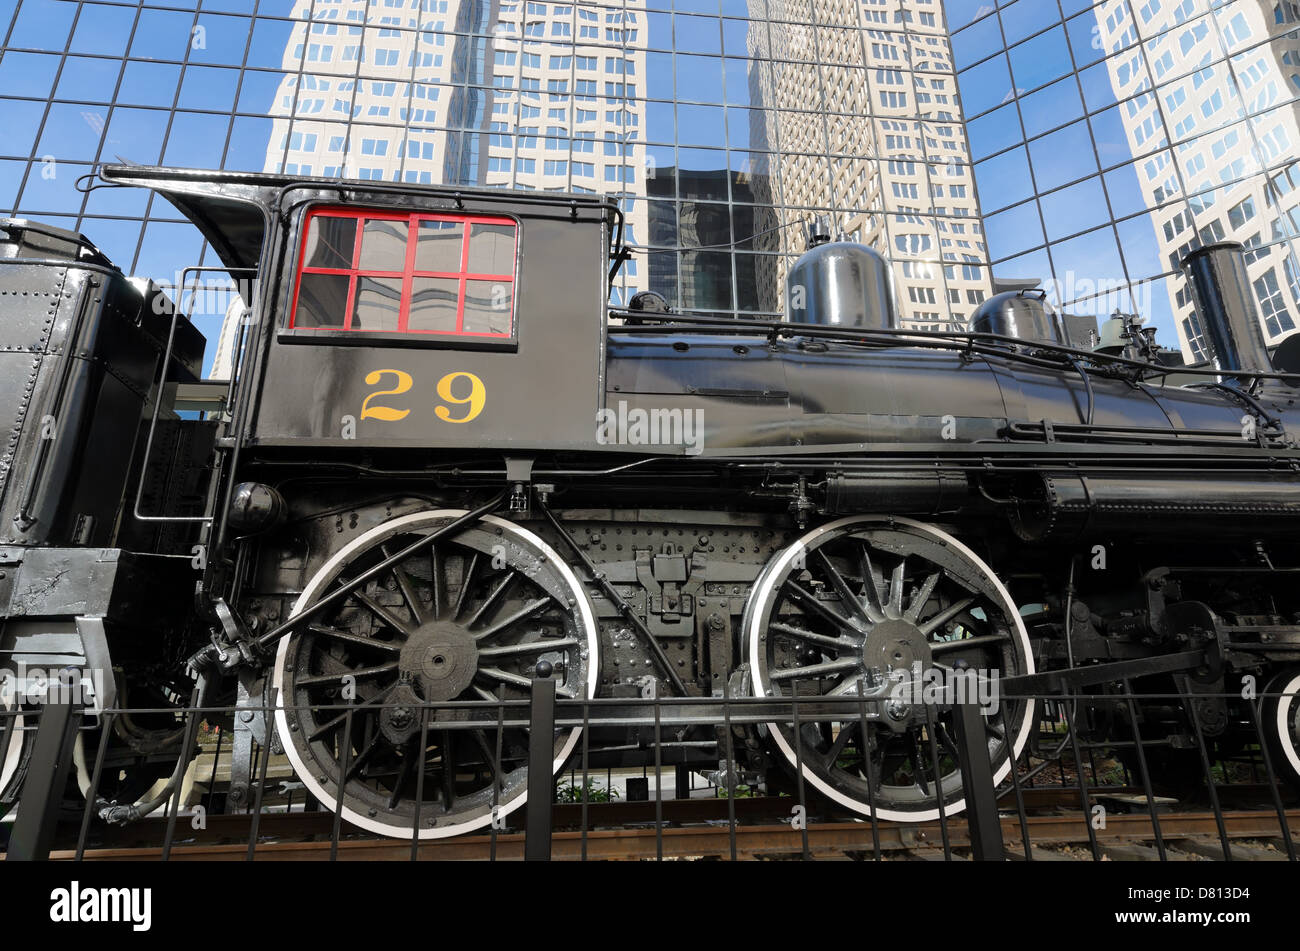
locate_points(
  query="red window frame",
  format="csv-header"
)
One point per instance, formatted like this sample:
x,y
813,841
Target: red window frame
x,y
408,272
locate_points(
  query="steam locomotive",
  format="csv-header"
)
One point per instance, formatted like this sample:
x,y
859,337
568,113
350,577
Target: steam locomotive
x,y
443,464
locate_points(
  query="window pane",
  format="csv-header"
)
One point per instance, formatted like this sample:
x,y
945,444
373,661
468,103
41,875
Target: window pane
x,y
377,303
322,301
383,245
491,249
487,307
438,246
330,242
433,304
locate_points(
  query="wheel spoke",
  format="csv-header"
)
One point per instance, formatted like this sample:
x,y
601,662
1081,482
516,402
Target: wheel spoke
x,y
943,617
406,588
491,599
847,597
435,582
466,583
943,647
339,720
946,741
847,686
871,587
359,763
816,670
359,673
350,638
515,680
404,774
838,746
809,600
922,596
832,643
480,737
894,609
528,610
531,647
381,612
918,771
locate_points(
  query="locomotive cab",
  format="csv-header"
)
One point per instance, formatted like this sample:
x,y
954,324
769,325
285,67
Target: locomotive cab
x,y
403,316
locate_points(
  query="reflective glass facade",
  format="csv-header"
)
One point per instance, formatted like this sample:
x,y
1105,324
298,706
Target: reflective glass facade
x,y
723,126
1094,142
1111,138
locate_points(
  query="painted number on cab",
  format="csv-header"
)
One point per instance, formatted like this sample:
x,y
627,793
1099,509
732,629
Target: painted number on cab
x,y
462,396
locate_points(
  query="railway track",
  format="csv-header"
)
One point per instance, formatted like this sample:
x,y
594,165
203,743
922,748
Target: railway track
x,y
1250,835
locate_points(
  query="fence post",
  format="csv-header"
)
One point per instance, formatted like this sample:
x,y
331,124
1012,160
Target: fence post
x,y
47,776
977,784
541,755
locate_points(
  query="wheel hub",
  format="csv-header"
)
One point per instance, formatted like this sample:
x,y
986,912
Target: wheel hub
x,y
441,658
896,645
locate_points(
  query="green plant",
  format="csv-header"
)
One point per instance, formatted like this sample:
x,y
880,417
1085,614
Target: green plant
x,y
572,792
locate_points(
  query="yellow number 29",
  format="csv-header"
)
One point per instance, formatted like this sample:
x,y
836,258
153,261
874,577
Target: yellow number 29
x,y
386,413
475,400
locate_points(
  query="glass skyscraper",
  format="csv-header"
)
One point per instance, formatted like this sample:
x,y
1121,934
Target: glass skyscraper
x,y
1112,138
1076,146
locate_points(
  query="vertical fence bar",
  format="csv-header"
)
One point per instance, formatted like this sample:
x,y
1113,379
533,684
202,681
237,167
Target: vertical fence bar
x,y
798,768
1185,694
1010,744
496,790
193,714
869,769
1085,799
344,766
47,775
268,744
419,785
659,785
586,773
682,779
977,784
106,730
541,781
1283,826
1143,770
729,747
936,779
216,762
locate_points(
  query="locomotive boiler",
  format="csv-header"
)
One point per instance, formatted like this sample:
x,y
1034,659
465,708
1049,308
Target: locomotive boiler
x,y
444,463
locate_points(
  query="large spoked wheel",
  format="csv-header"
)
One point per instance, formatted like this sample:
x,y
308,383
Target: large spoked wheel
x,y
469,619
1281,724
16,748
872,600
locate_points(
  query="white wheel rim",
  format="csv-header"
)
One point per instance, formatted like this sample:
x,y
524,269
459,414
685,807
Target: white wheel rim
x,y
14,750
1285,706
765,589
327,572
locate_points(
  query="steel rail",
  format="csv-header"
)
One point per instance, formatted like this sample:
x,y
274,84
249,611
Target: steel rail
x,y
715,841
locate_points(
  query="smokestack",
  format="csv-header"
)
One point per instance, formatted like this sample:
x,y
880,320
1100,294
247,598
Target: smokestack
x,y
1225,303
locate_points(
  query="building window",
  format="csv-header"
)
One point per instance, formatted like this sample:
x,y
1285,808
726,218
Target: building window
x,y
383,272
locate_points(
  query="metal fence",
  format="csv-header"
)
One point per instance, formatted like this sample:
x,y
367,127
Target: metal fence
x,y
236,796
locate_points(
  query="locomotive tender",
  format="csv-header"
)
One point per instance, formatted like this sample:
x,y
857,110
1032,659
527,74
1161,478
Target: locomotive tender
x,y
443,464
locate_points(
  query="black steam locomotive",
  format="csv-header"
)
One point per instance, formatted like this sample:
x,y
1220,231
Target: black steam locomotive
x,y
443,463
